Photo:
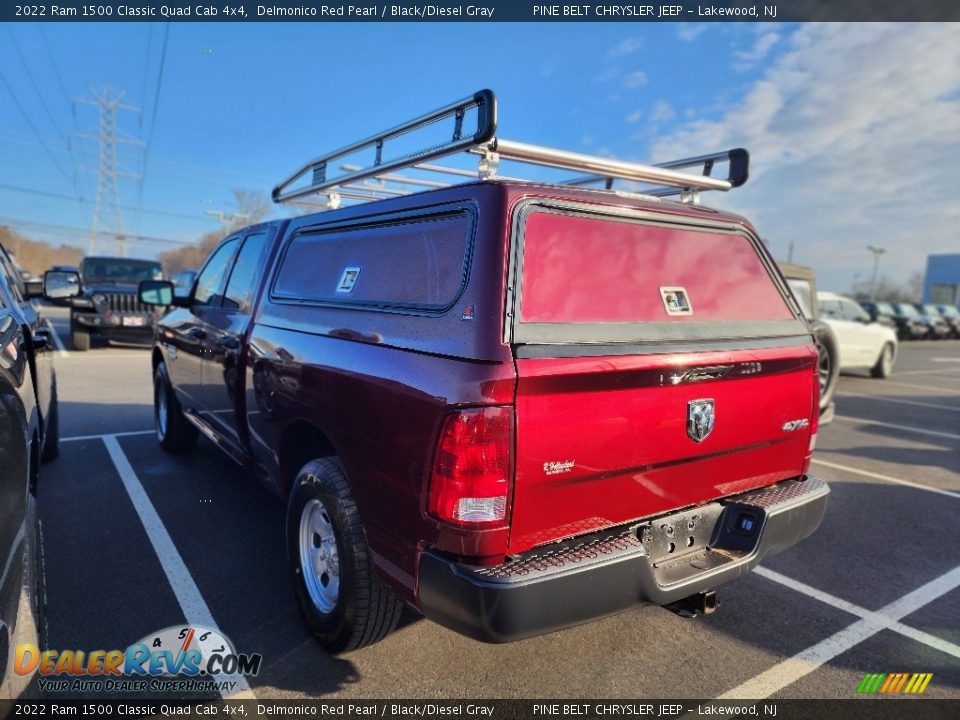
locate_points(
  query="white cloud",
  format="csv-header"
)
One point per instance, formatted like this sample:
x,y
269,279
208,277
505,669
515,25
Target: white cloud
x,y
635,79
854,133
690,31
662,111
746,59
625,47
634,116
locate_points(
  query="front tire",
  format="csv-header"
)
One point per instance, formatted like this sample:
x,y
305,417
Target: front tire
x,y
342,601
175,433
884,366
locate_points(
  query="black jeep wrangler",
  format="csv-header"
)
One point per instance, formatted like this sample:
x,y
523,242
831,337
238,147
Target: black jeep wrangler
x,y
108,305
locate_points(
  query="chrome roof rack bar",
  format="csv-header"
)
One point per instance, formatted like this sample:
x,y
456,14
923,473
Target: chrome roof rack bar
x,y
313,178
738,172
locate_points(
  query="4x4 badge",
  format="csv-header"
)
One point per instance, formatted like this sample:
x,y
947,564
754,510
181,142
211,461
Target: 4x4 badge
x,y
700,418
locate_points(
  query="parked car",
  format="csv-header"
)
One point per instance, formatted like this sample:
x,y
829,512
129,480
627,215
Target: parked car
x,y
952,315
946,326
935,327
29,434
803,284
908,327
107,305
514,407
863,343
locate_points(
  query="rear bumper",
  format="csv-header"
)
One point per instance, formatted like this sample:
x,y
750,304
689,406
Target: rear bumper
x,y
565,584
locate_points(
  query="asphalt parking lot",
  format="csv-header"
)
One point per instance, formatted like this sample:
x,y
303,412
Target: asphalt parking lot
x,y
136,540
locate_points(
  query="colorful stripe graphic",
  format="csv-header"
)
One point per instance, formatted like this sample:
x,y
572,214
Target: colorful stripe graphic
x,y
894,683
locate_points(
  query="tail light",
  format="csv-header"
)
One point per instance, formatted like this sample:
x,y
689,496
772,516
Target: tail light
x,y
471,471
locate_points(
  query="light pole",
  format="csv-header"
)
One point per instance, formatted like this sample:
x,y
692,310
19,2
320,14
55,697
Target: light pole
x,y
877,252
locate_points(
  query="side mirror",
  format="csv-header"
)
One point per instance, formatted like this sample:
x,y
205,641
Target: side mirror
x,y
156,292
58,284
33,288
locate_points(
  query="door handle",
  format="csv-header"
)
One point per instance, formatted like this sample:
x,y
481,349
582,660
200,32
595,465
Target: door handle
x,y
198,333
230,342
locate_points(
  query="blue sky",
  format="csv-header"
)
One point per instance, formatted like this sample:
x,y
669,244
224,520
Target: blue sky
x,y
242,105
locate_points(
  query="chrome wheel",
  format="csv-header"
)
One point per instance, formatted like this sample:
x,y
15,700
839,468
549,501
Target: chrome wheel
x,y
160,398
319,559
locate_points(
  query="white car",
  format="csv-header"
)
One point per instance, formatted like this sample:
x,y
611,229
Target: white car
x,y
863,343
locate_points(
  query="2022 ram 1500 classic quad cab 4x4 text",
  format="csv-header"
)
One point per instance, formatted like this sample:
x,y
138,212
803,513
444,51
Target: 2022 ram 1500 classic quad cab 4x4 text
x,y
512,406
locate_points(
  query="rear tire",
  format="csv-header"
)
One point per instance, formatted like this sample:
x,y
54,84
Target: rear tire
x,y
828,362
51,442
884,366
175,433
343,602
80,340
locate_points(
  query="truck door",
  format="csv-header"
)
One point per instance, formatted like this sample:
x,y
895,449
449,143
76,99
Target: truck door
x,y
190,342
226,326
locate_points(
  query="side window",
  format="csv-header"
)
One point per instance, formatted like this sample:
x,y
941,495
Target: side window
x,y
214,275
852,311
243,279
830,309
415,263
12,277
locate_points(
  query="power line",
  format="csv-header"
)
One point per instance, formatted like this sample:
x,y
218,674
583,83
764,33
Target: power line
x,y
66,98
156,104
76,232
34,128
33,82
46,193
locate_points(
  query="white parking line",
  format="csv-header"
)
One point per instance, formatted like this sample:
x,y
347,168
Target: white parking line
x,y
914,386
933,641
888,398
803,663
78,438
61,350
906,428
886,478
195,609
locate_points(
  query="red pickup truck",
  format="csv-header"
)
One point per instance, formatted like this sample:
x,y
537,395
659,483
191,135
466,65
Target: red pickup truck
x,y
512,406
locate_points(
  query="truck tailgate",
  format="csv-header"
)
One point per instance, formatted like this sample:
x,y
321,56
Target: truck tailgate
x,y
604,440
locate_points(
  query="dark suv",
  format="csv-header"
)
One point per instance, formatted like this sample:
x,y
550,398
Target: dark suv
x,y
108,306
511,406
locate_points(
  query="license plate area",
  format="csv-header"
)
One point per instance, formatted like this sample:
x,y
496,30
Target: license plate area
x,y
132,321
674,536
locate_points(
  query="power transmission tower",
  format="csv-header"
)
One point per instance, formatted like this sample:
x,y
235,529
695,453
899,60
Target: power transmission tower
x,y
107,213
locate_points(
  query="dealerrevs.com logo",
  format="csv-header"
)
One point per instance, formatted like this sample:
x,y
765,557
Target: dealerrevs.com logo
x,y
178,658
894,683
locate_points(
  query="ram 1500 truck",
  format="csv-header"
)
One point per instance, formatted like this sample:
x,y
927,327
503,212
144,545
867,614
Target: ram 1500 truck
x,y
511,406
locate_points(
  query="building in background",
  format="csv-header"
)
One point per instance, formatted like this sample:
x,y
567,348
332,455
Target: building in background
x,y
941,285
